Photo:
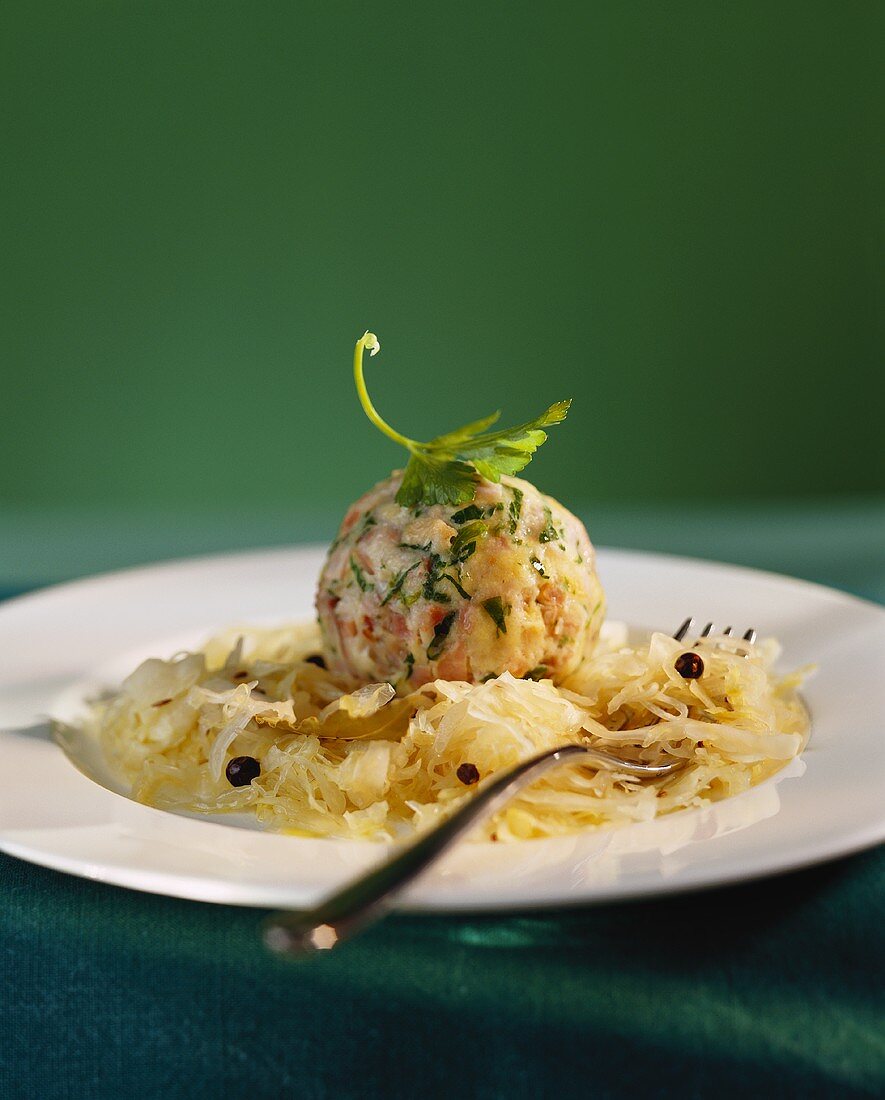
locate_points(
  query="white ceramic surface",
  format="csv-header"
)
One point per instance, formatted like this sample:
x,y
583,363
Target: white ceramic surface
x,y
57,645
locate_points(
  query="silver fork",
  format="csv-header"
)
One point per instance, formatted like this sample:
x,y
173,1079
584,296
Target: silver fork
x,y
370,896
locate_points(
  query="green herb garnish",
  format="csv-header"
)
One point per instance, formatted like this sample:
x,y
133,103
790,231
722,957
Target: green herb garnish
x,y
464,543
550,533
463,593
536,673
398,583
537,566
515,509
439,636
359,575
497,611
446,470
368,521
436,568
472,511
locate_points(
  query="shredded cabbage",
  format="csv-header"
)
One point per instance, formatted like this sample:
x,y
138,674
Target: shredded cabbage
x,y
342,759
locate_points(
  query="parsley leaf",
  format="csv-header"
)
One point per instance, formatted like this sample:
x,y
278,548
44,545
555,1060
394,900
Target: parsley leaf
x,y
431,479
497,611
447,469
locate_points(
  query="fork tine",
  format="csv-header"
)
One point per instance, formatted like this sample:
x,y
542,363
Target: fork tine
x,y
683,630
749,636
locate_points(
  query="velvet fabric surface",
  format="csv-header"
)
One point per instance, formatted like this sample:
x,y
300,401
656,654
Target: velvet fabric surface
x,y
769,989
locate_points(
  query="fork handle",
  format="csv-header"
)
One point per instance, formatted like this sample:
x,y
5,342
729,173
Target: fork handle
x,y
371,895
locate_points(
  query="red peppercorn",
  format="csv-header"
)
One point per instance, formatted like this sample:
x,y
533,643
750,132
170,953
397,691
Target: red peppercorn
x,y
468,774
689,666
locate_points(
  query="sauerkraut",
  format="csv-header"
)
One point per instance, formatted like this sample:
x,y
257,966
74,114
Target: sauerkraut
x,y
342,759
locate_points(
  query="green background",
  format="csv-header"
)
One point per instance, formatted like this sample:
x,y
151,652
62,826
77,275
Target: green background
x,y
669,212
672,213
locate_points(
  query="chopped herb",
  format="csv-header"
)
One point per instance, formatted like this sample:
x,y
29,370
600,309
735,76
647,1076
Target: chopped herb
x,y
549,533
359,575
446,469
536,673
465,552
461,592
368,521
580,558
489,676
443,627
410,664
398,583
472,511
537,566
464,543
435,573
497,611
414,546
515,509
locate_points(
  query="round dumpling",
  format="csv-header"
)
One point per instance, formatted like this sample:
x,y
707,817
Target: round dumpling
x,y
506,583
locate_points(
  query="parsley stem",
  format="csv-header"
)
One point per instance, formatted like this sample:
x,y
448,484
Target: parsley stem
x,y
369,342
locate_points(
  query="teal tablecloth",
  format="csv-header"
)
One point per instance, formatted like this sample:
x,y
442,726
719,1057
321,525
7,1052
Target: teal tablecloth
x,y
773,988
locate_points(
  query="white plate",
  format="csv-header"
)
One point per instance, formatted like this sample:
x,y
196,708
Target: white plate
x,y
57,645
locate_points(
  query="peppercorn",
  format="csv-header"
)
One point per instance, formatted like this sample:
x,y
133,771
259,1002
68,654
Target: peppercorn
x,y
689,666
468,774
316,659
242,770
